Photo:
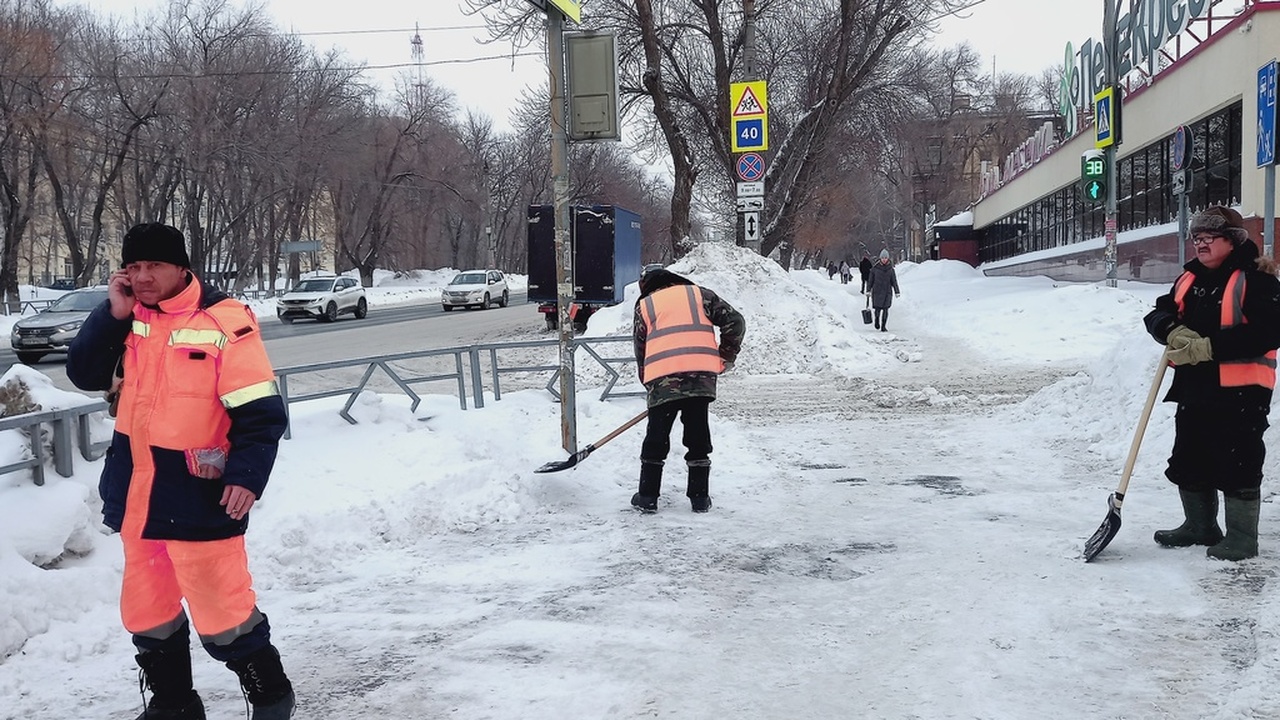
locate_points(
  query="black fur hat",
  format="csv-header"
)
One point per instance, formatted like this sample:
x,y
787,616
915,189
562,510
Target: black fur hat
x,y
1220,221
156,242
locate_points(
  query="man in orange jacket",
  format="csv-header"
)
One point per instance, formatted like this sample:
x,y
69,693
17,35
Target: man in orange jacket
x,y
198,423
679,358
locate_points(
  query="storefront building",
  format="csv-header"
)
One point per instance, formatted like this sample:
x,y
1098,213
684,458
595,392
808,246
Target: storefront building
x,y
1203,75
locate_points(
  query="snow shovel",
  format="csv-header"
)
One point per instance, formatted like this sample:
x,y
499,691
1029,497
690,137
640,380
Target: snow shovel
x,y
1111,525
582,454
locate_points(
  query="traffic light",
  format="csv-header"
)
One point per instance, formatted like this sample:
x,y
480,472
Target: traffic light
x,y
1093,176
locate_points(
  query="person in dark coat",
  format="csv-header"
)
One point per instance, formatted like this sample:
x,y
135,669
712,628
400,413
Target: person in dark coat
x,y
832,269
1221,327
864,267
678,358
882,283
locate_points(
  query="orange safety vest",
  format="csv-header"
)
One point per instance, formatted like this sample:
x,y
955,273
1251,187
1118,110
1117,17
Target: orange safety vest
x,y
1233,373
680,337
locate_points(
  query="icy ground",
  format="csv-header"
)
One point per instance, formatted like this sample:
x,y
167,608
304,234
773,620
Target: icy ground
x,y
897,531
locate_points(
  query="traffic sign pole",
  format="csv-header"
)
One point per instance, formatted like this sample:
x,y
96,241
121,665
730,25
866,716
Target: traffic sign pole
x,y
1267,152
1111,42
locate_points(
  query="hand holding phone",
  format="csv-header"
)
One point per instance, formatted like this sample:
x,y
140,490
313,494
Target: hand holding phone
x,y
120,294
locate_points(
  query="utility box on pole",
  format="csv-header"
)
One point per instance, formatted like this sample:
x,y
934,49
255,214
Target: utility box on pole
x,y
592,66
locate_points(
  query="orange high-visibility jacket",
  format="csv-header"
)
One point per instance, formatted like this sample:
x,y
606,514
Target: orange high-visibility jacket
x,y
196,377
680,337
1233,373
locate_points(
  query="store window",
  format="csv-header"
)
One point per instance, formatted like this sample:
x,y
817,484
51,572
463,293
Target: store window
x,y
1144,194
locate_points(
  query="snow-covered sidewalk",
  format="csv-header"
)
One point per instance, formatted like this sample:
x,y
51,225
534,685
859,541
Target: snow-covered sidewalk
x,y
897,531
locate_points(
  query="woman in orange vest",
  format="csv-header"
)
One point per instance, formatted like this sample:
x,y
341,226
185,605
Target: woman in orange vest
x,y
198,423
1221,325
679,358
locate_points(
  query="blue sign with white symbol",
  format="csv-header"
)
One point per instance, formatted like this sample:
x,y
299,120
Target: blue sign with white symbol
x,y
750,167
1267,114
1104,118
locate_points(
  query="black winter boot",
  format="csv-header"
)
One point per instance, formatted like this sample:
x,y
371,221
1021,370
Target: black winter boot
x,y
265,684
1200,527
167,673
646,500
699,485
1241,541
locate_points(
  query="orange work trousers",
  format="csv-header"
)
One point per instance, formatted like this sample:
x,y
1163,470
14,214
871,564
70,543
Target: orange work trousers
x,y
212,575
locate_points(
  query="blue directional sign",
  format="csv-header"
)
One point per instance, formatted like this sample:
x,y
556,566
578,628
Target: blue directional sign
x,y
1267,114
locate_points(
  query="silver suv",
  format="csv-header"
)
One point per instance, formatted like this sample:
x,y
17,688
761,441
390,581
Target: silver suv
x,y
322,298
478,288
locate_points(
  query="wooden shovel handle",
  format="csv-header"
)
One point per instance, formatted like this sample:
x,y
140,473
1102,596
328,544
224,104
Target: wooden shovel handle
x,y
1142,424
619,431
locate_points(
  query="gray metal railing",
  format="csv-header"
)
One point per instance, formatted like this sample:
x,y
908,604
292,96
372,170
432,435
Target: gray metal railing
x,y
497,368
70,428
25,306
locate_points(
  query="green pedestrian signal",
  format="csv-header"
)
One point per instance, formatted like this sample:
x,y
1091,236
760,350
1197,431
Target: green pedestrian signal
x,y
1093,176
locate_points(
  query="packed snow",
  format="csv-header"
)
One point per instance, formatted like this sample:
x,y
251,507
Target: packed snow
x,y
897,533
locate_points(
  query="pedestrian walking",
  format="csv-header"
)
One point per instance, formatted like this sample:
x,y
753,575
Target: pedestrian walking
x,y
1221,326
832,269
864,269
678,359
846,272
882,283
198,422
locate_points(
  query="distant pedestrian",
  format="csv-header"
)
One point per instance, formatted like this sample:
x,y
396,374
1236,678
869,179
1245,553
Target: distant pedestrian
x,y
831,269
864,268
679,358
1221,326
846,272
882,283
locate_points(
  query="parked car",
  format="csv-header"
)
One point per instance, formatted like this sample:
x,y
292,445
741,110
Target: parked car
x,y
52,329
322,298
478,288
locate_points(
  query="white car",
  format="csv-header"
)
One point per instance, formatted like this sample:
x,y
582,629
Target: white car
x,y
322,298
478,288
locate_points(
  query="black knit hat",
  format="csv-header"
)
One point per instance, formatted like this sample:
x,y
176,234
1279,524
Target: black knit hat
x,y
156,242
1220,221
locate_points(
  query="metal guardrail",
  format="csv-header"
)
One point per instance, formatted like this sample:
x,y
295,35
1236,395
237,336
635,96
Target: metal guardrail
x,y
70,428
25,306
496,370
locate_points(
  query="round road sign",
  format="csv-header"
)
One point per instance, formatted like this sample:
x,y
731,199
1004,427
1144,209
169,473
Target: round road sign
x,y
750,167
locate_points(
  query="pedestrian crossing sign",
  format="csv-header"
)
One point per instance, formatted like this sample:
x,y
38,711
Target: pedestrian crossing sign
x,y
1104,118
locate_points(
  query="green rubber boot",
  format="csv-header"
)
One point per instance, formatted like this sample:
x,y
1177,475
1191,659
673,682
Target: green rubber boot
x,y
1201,524
1242,530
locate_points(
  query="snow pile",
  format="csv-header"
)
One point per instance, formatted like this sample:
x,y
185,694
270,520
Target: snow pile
x,y
791,328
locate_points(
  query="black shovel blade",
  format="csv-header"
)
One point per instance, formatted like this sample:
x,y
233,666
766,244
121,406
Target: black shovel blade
x,y
1107,530
574,459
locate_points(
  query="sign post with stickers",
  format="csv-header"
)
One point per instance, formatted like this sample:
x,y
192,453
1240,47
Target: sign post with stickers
x,y
749,135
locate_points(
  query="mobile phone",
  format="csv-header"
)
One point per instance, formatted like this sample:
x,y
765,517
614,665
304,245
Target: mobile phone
x,y
128,290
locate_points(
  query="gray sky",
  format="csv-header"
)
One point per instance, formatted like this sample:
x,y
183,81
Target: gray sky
x,y
1019,35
